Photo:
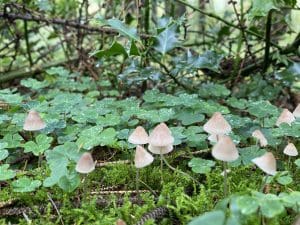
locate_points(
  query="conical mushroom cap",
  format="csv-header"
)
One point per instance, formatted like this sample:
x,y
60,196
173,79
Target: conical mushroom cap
x,y
215,137
296,112
139,136
85,164
260,136
266,163
285,117
217,125
142,157
33,121
225,150
161,136
290,150
160,150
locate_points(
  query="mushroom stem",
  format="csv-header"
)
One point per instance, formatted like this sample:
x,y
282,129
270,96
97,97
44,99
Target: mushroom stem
x,y
161,168
179,171
289,162
137,175
225,178
40,160
263,184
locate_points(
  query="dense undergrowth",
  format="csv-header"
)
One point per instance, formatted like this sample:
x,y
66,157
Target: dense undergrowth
x,y
83,118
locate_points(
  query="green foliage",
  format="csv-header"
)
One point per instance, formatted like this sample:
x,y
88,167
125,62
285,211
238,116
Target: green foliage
x,y
41,144
25,184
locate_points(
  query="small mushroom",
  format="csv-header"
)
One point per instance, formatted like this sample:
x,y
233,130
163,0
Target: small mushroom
x,y
217,125
225,150
160,150
290,150
85,164
142,157
139,136
285,117
261,138
120,222
296,112
33,121
161,136
266,163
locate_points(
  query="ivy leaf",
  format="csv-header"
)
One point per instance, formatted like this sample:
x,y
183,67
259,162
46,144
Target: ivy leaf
x,y
5,173
25,184
115,49
69,182
41,144
201,166
216,217
167,40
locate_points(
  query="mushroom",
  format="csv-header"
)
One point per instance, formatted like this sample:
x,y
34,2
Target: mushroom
x,y
266,163
85,164
290,150
120,222
285,117
160,150
33,121
260,137
217,126
296,112
139,136
142,157
226,151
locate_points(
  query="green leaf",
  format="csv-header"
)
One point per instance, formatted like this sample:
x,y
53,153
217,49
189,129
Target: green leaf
x,y
247,205
189,117
167,40
12,140
216,217
262,109
5,173
261,8
107,137
123,29
89,138
69,182
114,49
284,180
271,208
34,84
25,184
202,166
41,144
3,154
249,153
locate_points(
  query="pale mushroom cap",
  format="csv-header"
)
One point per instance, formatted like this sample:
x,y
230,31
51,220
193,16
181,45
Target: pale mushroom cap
x,y
142,158
161,136
33,121
139,136
261,138
120,222
217,125
225,150
296,112
266,163
290,150
160,150
85,164
285,117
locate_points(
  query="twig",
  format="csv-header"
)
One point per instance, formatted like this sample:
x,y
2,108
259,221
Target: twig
x,y
268,41
56,209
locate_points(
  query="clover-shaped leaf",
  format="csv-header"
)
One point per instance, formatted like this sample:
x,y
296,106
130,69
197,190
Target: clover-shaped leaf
x,y
202,166
247,204
39,146
25,184
5,173
69,182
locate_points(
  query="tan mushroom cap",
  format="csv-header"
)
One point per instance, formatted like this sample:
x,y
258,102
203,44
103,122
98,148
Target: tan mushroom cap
x,y
266,163
160,150
285,117
85,164
142,158
215,137
120,222
33,121
225,150
139,136
161,136
290,150
296,112
217,125
261,138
